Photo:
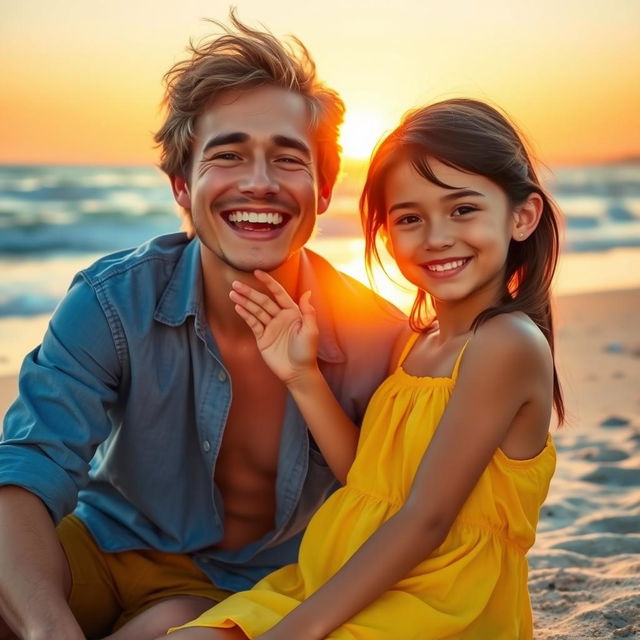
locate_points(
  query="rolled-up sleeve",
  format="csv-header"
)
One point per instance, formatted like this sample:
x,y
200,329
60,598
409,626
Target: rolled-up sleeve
x,y
67,388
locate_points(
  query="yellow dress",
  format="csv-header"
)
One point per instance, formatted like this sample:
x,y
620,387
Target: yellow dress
x,y
473,586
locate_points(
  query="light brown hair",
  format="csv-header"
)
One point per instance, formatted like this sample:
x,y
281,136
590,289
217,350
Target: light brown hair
x,y
472,136
244,58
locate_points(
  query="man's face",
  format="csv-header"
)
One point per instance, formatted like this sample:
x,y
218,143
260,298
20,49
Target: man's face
x,y
253,184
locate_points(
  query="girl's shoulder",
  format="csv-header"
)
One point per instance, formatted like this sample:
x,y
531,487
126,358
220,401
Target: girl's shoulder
x,y
512,337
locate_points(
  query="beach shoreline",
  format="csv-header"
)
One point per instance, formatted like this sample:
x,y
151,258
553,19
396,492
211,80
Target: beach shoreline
x,y
585,565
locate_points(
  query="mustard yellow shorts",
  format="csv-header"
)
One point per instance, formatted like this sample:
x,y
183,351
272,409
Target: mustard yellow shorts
x,y
108,589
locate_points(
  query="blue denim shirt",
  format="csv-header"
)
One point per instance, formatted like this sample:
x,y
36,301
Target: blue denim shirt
x,y
122,408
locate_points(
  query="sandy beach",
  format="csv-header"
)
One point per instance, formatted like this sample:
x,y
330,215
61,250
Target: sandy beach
x,y
585,566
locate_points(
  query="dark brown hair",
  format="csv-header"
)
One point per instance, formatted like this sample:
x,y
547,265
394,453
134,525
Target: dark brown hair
x,y
244,58
472,136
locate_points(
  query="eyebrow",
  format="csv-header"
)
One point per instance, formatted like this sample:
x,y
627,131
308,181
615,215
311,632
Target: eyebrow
x,y
462,193
292,143
454,195
236,137
225,138
403,205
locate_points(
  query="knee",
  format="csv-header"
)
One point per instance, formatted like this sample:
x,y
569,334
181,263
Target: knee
x,y
177,611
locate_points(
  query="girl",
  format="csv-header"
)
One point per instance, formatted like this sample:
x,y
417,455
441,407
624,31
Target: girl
x,y
427,539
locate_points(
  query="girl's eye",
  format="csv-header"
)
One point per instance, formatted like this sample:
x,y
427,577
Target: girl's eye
x,y
408,219
463,210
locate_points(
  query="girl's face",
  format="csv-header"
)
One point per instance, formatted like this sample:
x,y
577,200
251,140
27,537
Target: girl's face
x,y
452,243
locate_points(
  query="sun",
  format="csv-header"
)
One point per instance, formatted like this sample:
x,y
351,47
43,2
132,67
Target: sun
x,y
360,133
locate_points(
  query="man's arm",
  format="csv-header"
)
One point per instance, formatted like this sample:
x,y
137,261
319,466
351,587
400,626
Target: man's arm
x,y
34,573
67,386
50,434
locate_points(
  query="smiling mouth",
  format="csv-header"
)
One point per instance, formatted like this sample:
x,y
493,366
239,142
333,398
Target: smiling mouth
x,y
256,220
446,267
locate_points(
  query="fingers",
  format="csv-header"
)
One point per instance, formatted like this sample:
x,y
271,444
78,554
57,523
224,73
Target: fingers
x,y
308,313
254,324
255,310
276,289
305,305
261,306
256,297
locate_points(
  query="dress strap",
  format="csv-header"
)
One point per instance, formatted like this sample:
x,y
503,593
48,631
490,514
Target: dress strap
x,y
407,347
456,366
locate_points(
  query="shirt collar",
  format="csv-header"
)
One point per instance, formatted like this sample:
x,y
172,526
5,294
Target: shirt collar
x,y
316,275
182,296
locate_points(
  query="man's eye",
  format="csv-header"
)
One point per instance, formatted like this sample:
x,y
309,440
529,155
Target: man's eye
x,y
226,156
290,160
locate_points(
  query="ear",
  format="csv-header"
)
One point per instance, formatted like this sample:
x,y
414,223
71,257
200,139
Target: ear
x,y
324,197
180,190
526,217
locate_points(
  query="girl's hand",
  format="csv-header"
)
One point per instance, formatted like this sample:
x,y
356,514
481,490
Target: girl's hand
x,y
286,334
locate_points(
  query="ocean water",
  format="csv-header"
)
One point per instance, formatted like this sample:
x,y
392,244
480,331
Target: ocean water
x,y
55,220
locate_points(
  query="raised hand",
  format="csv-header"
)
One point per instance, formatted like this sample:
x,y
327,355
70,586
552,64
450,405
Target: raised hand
x,y
286,334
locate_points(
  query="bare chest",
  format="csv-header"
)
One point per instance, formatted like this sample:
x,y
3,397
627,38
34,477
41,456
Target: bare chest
x,y
246,466
251,439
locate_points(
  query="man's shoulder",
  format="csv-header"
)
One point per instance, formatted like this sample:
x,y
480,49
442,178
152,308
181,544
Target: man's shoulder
x,y
348,295
153,258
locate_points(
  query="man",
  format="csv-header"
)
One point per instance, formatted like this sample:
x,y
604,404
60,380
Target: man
x,y
147,411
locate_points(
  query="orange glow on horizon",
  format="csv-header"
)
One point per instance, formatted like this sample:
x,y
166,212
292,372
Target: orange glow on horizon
x,y
82,82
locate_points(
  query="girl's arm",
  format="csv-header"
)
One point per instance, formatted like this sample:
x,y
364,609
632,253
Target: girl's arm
x,y
287,336
506,366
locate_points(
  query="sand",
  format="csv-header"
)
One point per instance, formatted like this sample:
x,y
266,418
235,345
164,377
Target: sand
x,y
585,565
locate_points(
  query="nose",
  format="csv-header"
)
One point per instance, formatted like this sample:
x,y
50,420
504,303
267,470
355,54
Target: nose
x,y
438,235
259,180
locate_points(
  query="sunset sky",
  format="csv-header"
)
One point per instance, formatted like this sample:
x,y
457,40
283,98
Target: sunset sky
x,y
81,81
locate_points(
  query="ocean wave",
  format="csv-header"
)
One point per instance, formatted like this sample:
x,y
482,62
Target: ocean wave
x,y
27,305
29,179
72,213
99,233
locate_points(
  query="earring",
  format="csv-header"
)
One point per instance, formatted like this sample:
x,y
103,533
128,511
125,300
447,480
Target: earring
x,y
521,235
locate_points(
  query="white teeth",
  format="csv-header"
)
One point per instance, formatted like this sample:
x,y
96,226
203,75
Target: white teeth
x,y
252,216
447,266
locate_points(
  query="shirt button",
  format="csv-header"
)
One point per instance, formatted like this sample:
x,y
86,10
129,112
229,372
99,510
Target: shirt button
x,y
222,376
206,447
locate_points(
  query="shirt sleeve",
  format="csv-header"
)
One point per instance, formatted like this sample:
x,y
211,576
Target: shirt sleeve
x,y
67,387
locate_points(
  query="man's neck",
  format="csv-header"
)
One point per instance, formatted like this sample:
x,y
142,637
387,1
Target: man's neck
x,y
217,277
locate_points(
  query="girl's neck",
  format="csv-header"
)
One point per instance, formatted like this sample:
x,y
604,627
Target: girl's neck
x,y
456,317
